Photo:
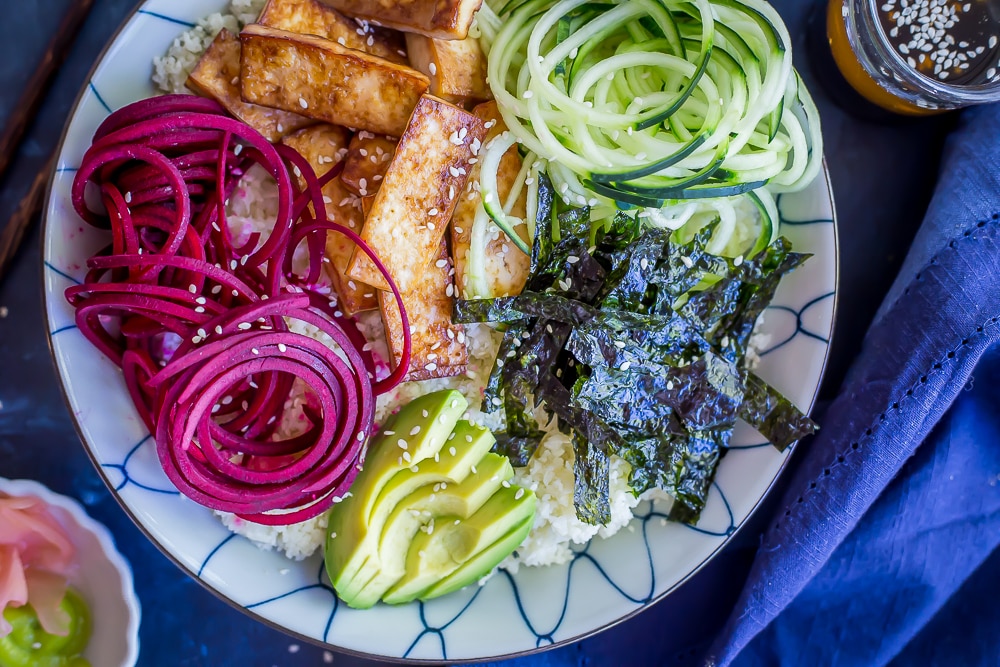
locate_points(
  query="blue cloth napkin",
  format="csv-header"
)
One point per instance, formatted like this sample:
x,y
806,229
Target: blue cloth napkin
x,y
885,550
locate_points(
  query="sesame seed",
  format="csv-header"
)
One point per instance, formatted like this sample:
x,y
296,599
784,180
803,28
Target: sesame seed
x,y
433,68
303,103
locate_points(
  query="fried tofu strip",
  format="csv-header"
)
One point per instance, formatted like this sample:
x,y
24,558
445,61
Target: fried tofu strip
x,y
456,67
217,76
505,267
418,194
323,146
437,346
324,80
444,19
311,17
366,162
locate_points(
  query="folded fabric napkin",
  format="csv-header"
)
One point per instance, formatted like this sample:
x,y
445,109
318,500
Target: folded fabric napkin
x,y
885,550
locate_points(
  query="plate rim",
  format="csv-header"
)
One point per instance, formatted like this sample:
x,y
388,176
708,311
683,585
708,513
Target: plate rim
x,y
60,146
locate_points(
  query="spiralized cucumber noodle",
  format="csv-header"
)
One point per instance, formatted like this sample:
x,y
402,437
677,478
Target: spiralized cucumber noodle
x,y
678,108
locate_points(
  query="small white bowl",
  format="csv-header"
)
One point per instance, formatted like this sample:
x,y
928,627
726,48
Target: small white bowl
x,y
104,578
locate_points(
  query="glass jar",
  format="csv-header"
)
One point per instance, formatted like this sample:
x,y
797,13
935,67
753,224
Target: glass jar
x,y
918,57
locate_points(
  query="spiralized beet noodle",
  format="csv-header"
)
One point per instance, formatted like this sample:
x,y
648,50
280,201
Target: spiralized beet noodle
x,y
164,169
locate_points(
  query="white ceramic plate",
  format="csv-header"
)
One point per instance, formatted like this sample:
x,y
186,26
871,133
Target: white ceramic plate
x,y
608,581
104,578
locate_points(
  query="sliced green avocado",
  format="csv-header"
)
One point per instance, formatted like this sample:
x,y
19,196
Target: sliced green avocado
x,y
483,562
418,495
418,511
456,545
355,523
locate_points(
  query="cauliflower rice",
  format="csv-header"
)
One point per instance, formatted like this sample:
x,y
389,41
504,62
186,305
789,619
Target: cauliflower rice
x,y
549,473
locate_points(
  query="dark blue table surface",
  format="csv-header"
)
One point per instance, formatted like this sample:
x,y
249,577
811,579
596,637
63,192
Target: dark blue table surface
x,y
882,172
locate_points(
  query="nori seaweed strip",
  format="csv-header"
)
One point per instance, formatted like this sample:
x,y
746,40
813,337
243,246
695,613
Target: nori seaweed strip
x,y
541,248
759,282
619,332
628,284
694,468
773,415
554,307
522,377
593,443
592,479
648,342
683,268
703,395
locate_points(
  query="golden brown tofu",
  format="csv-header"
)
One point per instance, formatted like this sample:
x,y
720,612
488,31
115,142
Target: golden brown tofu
x,y
456,67
444,19
217,76
322,79
366,204
437,346
505,268
418,194
323,146
366,162
311,17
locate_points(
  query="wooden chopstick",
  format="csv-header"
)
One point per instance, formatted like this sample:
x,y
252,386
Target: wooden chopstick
x,y
27,106
26,213
23,113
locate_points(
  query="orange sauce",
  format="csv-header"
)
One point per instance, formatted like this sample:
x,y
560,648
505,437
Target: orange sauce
x,y
861,80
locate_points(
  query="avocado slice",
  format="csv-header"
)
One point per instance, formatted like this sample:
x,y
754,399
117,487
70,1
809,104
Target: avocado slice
x,y
470,547
417,491
420,510
483,562
354,524
420,513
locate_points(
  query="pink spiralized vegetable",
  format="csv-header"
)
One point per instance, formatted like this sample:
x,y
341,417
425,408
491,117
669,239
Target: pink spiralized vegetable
x,y
164,169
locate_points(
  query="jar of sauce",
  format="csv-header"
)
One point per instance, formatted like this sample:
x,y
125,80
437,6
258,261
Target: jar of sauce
x,y
918,57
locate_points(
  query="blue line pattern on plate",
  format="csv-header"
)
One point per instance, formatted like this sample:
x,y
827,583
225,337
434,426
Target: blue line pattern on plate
x,y
799,327
164,17
729,530
215,550
127,477
321,584
438,630
68,327
759,445
100,99
798,223
61,273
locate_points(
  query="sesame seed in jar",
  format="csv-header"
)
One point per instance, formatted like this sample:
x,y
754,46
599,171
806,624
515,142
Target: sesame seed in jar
x,y
953,41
